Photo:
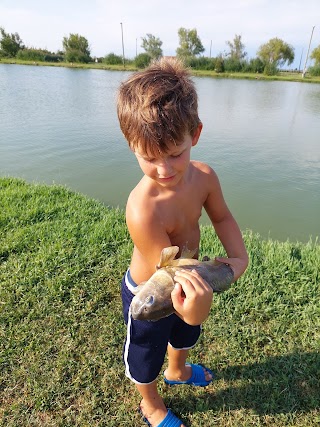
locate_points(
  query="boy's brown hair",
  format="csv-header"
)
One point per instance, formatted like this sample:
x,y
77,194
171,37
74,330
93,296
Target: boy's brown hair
x,y
158,106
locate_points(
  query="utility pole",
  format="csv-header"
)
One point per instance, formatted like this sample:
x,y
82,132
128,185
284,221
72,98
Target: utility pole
x,y
136,47
210,48
300,61
124,65
305,65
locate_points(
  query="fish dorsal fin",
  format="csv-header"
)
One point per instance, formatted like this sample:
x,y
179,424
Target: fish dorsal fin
x,y
187,253
167,256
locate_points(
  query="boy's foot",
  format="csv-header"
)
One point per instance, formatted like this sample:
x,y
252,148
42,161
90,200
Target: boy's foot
x,y
196,375
159,417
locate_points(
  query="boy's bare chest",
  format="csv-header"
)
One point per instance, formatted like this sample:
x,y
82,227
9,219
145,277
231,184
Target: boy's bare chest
x,y
180,214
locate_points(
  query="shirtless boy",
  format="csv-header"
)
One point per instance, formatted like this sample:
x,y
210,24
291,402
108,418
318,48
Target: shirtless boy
x,y
158,115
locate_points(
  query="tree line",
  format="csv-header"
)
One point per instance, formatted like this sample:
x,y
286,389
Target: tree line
x,y
270,56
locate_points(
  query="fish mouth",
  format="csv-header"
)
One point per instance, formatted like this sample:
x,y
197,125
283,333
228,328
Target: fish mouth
x,y
140,309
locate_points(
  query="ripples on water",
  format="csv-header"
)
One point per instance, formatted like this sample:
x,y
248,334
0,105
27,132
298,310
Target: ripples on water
x,y
59,125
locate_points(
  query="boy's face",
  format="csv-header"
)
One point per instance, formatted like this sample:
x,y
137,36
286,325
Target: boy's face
x,y
169,169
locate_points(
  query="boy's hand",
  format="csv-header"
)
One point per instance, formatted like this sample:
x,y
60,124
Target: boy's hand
x,y
191,297
238,265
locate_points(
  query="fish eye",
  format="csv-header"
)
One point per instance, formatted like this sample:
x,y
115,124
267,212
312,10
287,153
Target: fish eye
x,y
149,300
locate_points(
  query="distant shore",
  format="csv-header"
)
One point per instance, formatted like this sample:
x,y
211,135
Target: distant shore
x,y
290,76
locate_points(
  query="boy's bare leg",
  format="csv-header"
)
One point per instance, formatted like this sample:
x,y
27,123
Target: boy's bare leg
x,y
177,369
152,405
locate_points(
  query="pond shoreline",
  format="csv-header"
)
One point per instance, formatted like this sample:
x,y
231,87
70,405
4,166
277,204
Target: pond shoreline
x,y
282,76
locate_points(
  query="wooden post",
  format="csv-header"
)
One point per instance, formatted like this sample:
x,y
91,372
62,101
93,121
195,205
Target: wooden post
x,y
124,65
305,65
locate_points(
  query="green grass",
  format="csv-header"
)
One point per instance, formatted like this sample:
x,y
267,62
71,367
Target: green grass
x,y
281,76
98,66
62,257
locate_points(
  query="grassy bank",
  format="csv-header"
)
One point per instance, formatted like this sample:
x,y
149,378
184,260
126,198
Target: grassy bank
x,y
282,76
62,257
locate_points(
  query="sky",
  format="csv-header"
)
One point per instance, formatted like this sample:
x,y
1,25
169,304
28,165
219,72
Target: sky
x,y
44,23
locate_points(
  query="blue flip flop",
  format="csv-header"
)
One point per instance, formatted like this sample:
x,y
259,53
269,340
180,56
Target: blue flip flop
x,y
169,421
197,378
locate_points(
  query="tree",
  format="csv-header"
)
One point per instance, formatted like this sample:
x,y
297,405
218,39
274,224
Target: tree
x,y
315,55
236,48
276,53
190,43
10,44
76,48
152,46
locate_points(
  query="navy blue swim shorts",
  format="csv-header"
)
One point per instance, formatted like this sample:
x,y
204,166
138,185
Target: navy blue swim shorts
x,y
146,343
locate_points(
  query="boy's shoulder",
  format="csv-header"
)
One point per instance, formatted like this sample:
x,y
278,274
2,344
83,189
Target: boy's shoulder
x,y
140,201
201,166
202,173
144,189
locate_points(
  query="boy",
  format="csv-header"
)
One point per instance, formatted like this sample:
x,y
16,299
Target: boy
x,y
158,115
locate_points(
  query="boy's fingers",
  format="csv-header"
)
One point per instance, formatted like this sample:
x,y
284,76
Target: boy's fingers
x,y
191,278
185,283
177,295
188,274
176,291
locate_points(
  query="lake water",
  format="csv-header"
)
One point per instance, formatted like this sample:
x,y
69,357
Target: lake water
x,y
262,138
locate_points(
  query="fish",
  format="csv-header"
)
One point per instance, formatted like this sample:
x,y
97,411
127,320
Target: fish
x,y
152,300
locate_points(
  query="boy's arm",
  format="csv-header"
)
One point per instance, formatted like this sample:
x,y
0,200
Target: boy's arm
x,y
226,227
192,296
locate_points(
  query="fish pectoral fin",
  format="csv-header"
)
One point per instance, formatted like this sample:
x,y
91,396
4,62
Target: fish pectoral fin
x,y
167,255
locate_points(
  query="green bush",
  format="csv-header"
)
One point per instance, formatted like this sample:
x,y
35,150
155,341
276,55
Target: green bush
x,y
255,65
142,60
233,65
112,59
75,55
314,71
219,66
270,70
53,57
202,63
32,54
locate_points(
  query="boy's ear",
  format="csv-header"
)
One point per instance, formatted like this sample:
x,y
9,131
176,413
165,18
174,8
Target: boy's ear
x,y
196,135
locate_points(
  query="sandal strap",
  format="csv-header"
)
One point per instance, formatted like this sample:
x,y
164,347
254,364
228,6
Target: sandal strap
x,y
170,420
198,375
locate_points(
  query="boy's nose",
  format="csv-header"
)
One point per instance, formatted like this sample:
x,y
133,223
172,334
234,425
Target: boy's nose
x,y
164,168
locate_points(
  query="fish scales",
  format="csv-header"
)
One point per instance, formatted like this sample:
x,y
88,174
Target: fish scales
x,y
152,300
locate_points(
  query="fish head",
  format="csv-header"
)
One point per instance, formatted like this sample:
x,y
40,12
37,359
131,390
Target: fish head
x,y
153,300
